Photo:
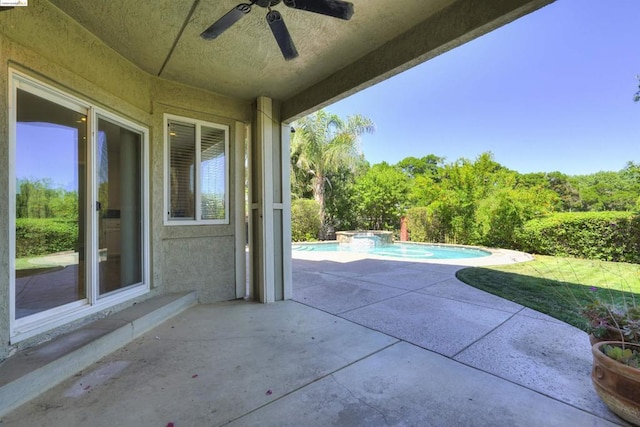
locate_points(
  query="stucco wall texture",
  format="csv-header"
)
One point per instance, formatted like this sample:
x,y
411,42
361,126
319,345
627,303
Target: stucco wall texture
x,y
51,47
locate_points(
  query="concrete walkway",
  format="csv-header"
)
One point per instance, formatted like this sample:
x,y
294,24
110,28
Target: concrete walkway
x,y
365,343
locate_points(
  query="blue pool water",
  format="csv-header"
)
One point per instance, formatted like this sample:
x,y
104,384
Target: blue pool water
x,y
397,250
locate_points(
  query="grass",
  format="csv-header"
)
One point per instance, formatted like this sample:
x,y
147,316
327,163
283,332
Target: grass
x,y
559,287
24,267
25,264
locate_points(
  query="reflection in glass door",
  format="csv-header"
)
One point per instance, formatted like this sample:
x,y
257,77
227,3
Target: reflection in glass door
x,y
119,186
78,206
50,160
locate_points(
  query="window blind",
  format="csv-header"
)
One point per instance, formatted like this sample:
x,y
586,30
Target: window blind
x,y
182,160
212,173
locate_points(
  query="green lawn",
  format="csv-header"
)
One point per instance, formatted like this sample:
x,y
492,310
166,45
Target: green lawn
x,y
25,264
559,287
25,268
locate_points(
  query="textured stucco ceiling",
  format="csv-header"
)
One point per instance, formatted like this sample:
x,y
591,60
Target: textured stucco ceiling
x,y
162,38
244,61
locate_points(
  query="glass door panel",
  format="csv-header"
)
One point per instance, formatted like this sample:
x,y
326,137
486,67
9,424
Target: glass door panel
x,y
119,184
50,160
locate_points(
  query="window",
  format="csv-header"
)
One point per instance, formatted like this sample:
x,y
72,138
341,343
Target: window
x,y
78,198
197,172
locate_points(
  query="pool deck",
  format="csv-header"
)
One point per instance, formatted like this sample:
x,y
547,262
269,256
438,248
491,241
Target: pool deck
x,y
366,342
422,304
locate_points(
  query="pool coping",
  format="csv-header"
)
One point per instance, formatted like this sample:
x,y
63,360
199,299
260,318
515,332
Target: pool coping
x,y
497,256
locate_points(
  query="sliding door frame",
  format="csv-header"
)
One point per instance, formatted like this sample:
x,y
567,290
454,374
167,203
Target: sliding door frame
x,y
29,326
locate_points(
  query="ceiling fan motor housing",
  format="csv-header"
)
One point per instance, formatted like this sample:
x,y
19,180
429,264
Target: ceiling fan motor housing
x,y
267,3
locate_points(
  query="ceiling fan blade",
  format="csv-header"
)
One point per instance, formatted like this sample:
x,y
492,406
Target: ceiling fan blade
x,y
280,32
335,8
222,24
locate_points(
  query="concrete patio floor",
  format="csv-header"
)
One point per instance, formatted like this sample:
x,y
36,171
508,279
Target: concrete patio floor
x,y
364,343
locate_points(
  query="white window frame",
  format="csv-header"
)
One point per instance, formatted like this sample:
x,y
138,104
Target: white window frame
x,y
168,220
29,326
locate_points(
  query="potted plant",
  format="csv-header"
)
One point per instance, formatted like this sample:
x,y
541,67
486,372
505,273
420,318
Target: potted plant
x,y
615,339
610,323
616,377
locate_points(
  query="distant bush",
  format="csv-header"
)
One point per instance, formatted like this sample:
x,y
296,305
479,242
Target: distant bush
x,y
305,220
44,236
424,225
608,236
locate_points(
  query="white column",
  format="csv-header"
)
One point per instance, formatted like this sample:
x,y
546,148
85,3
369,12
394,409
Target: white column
x,y
286,213
240,230
271,211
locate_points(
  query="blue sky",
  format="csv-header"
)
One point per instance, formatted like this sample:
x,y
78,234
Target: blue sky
x,y
552,91
36,160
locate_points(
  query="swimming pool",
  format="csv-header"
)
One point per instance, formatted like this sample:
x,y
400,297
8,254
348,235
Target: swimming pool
x,y
397,250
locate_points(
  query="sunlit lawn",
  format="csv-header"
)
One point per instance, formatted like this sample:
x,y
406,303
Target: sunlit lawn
x,y
559,287
26,266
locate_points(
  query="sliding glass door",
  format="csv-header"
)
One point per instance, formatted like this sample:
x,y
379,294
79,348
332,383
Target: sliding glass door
x,y
51,151
119,154
79,207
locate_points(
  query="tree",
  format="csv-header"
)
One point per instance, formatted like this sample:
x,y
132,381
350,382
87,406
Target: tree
x,y
427,165
568,196
463,185
381,196
340,208
37,198
423,191
322,143
608,191
300,180
631,172
506,210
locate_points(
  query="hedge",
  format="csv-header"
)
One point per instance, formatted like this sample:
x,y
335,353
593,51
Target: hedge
x,y
36,237
305,220
608,236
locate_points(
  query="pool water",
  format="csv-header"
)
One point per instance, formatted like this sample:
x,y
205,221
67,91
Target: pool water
x,y
397,250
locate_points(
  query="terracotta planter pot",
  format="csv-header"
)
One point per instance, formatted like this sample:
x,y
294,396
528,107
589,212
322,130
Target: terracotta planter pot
x,y
617,384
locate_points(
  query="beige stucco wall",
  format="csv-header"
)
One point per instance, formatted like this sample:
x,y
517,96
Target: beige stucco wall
x,y
4,217
49,46
190,257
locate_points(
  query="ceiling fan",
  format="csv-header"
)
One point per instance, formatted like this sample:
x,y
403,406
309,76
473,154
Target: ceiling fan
x,y
334,8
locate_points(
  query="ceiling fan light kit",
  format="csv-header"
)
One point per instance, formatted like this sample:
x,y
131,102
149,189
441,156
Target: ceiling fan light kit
x,y
333,8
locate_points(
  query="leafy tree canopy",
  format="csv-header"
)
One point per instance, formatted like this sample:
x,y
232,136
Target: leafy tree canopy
x,y
322,144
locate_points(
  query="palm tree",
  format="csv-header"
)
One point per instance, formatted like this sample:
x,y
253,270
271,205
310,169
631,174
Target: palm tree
x,y
322,143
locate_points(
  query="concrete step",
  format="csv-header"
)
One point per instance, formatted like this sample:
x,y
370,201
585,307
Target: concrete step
x,y
37,369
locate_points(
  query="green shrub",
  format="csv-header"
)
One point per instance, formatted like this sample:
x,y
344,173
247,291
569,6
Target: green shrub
x,y
501,215
417,224
41,236
305,220
425,225
607,236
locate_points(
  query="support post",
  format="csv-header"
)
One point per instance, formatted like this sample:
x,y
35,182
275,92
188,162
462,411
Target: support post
x,y
270,207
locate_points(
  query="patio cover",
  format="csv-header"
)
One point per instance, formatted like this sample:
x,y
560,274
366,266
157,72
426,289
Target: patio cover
x,y
337,57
